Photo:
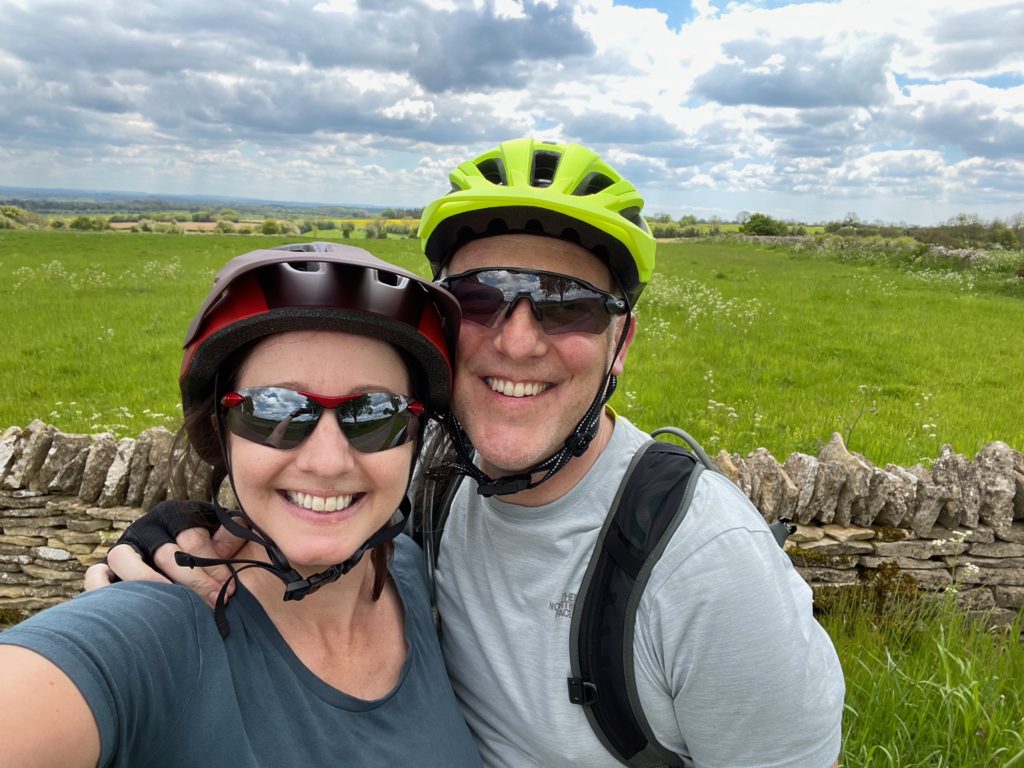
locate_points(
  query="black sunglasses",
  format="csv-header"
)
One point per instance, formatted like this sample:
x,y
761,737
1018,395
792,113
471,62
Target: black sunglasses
x,y
561,304
283,418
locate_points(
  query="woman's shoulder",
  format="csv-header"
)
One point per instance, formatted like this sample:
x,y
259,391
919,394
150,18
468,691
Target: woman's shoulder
x,y
127,610
408,572
408,554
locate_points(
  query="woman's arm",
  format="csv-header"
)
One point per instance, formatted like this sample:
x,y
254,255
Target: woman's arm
x,y
44,719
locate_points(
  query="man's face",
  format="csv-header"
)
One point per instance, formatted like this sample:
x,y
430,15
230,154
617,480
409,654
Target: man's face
x,y
518,391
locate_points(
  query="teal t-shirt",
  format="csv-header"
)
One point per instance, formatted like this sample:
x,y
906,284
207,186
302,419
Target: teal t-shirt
x,y
166,690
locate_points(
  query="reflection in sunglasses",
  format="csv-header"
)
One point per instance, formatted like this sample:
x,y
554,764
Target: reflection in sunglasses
x,y
561,304
283,418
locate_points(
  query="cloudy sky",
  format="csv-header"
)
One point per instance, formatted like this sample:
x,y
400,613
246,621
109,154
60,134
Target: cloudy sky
x,y
898,110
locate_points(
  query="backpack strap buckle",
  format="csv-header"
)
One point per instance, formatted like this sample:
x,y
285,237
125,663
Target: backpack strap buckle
x,y
581,691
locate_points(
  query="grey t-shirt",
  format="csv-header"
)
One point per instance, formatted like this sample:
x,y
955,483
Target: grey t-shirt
x,y
732,669
166,690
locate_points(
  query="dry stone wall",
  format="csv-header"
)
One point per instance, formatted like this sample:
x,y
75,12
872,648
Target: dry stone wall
x,y
64,499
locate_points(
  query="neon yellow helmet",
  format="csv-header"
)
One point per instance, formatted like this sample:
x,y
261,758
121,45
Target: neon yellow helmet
x,y
565,191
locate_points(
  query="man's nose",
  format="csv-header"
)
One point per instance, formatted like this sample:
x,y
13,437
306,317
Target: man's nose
x,y
520,333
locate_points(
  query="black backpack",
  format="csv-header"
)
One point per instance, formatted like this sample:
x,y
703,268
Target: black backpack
x,y
651,502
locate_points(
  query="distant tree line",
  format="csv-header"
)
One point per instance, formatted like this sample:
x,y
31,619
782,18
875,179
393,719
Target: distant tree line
x,y
961,231
152,208
965,230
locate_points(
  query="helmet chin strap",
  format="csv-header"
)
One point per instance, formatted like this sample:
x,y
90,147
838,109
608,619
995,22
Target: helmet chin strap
x,y
575,444
296,586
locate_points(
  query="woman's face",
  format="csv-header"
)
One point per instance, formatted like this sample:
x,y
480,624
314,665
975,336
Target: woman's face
x,y
288,493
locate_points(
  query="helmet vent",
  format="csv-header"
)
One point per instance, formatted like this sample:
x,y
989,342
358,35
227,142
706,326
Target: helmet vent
x,y
496,227
544,166
571,235
592,184
305,266
633,215
493,170
388,278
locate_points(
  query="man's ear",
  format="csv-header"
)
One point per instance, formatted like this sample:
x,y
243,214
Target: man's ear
x,y
619,364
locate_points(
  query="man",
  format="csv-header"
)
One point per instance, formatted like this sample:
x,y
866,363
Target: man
x,y
731,668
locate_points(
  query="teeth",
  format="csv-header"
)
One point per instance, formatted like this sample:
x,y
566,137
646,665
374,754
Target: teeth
x,y
516,389
318,503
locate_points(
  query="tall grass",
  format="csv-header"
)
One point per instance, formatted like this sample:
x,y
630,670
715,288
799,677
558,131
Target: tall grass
x,y
742,344
927,687
749,346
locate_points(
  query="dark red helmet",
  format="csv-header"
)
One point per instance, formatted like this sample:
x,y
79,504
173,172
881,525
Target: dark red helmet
x,y
320,286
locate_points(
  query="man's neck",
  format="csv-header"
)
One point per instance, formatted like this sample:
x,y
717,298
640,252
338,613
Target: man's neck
x,y
565,479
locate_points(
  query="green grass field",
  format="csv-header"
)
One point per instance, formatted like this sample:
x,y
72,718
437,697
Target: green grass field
x,y
742,345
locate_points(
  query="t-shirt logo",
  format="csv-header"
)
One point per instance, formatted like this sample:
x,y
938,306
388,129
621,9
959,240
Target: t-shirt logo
x,y
564,605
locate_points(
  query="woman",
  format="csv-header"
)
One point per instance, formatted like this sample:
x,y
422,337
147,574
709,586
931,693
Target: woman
x,y
306,382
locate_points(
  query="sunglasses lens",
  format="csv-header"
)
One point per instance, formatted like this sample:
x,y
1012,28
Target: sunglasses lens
x,y
565,305
280,418
580,315
283,418
481,304
377,421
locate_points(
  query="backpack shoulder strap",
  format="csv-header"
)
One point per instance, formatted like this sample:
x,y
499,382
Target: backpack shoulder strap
x,y
428,536
651,502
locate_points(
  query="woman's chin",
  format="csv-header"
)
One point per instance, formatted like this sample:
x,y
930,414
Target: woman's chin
x,y
309,561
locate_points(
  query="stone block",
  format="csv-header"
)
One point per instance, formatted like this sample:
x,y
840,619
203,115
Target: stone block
x,y
22,541
94,474
974,599
49,574
74,537
928,503
10,450
873,562
802,471
64,450
971,573
735,468
69,476
817,576
156,486
115,485
980,535
994,465
122,514
35,444
829,546
1014,533
771,490
805,533
1018,496
38,520
849,533
1005,549
920,549
1009,597
931,579
87,526
152,447
51,553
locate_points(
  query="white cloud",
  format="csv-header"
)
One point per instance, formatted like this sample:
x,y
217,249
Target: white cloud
x,y
852,101
509,9
349,7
